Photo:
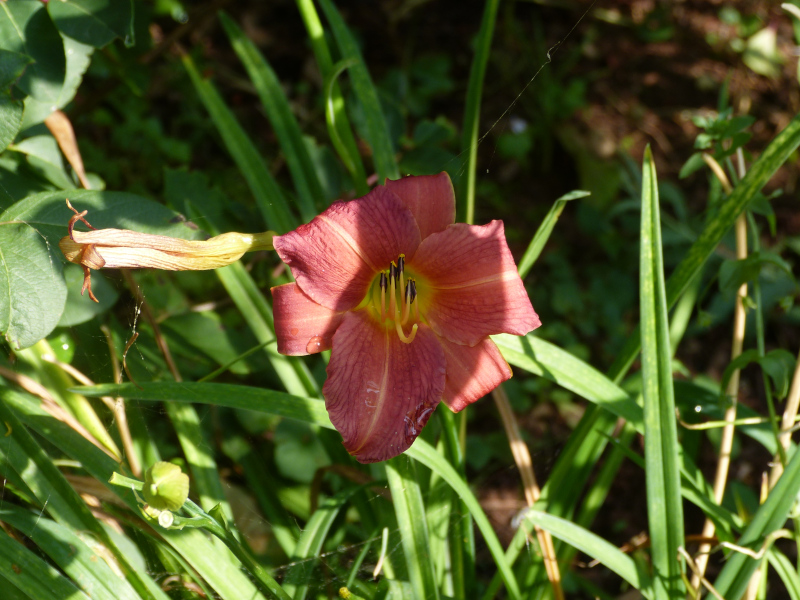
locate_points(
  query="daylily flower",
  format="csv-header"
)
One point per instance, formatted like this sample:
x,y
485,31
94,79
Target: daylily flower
x,y
125,249
406,300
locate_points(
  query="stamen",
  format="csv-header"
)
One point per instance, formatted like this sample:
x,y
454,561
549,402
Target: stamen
x,y
383,297
407,303
392,279
401,263
413,299
402,336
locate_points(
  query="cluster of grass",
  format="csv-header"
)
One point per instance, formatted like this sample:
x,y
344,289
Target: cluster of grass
x,y
276,507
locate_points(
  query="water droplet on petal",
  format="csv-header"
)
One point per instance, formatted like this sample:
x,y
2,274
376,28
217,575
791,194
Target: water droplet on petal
x,y
314,345
415,420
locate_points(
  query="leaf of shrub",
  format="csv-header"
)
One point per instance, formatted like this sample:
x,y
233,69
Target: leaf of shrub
x,y
94,22
32,290
777,364
25,27
10,120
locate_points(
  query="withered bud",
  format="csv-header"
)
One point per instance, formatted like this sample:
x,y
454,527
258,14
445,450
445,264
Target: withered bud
x,y
125,249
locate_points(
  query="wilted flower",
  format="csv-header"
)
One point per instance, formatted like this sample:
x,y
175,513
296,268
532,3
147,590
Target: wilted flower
x,y
124,249
406,300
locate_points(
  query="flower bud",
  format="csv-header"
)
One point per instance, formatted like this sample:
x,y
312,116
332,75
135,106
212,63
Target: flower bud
x,y
166,487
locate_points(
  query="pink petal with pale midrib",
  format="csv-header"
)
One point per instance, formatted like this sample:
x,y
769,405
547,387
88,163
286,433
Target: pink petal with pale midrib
x,y
474,286
335,256
431,199
380,392
301,325
472,372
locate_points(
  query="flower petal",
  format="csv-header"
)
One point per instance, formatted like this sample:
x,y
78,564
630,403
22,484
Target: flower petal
x,y
335,256
472,372
431,199
301,325
380,391
473,284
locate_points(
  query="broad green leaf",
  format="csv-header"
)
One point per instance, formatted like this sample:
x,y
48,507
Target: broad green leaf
x,y
33,576
733,273
94,22
413,526
269,198
377,132
32,290
45,159
26,28
771,516
78,59
48,212
778,364
12,66
10,120
662,472
544,231
81,559
77,310
593,545
304,175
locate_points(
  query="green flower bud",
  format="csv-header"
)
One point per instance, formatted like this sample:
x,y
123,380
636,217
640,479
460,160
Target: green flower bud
x,y
165,486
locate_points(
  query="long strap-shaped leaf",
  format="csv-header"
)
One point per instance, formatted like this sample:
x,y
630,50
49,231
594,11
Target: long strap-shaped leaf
x,y
313,411
662,470
301,168
413,525
736,573
271,201
377,132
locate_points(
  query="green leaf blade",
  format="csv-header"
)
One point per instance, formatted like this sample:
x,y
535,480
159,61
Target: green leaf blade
x,y
662,463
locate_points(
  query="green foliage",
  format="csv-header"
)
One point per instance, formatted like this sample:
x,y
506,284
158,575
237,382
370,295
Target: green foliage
x,y
217,462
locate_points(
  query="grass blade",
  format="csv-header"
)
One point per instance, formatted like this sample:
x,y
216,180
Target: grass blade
x,y
335,114
211,560
413,525
377,132
774,155
310,543
304,175
548,360
472,111
311,411
771,516
593,545
662,472
78,560
269,198
32,575
544,231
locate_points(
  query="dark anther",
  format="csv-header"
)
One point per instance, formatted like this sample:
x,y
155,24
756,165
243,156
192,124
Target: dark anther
x,y
383,281
401,263
392,272
411,291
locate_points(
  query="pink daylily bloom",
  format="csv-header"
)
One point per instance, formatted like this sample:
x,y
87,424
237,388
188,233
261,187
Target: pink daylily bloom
x,y
406,299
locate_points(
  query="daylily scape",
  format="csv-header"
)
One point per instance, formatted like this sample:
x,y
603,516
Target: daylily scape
x,y
406,299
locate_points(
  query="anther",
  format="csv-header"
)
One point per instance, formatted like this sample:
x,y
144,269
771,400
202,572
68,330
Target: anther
x,y
392,287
